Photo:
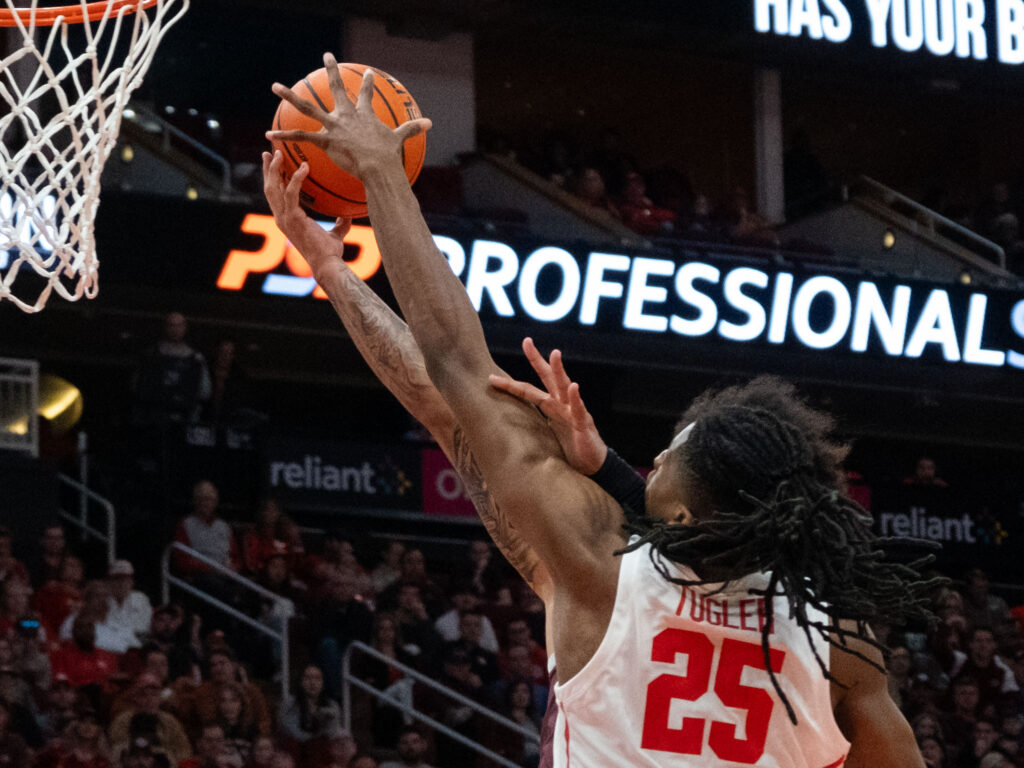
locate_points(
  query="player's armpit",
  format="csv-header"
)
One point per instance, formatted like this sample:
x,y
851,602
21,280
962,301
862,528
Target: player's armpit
x,y
879,735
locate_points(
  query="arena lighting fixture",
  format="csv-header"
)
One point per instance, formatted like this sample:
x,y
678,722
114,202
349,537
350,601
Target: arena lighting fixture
x,y
213,124
127,153
965,277
193,112
169,109
192,193
60,403
129,113
888,239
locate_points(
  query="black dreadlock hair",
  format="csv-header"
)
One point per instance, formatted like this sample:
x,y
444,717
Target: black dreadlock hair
x,y
768,496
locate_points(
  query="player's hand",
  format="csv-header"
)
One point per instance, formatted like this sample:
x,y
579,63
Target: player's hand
x,y
562,405
352,134
321,249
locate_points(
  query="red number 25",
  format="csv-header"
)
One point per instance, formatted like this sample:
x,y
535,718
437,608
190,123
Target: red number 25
x,y
700,652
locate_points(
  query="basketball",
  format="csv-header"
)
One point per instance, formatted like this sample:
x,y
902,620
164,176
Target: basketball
x,y
328,190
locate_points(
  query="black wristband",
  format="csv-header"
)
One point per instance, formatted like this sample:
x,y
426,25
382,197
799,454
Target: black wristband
x,y
623,483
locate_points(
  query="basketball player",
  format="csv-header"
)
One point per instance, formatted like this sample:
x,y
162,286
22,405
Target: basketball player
x,y
389,349
713,638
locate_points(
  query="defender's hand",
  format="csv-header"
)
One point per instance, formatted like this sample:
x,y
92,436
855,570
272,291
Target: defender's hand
x,y
352,134
562,405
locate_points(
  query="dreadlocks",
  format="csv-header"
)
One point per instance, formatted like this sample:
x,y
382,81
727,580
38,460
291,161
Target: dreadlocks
x,y
769,498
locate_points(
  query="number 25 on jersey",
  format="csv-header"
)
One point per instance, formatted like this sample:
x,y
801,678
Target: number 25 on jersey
x,y
734,656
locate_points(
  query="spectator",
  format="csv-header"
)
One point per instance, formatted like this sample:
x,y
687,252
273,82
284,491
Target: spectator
x,y
745,226
59,710
311,712
933,752
483,663
995,679
463,599
172,381
363,760
339,618
519,635
154,663
701,224
414,571
58,598
900,682
166,633
331,751
390,568
262,754
517,706
142,752
339,555
457,674
206,533
639,212
983,609
412,748
589,186
414,624
10,566
14,752
200,706
271,531
212,750
82,745
386,720
53,548
15,606
983,739
925,474
167,730
995,760
80,660
283,760
240,729
519,667
110,636
128,607
958,724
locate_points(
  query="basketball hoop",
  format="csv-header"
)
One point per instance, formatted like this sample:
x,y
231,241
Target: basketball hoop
x,y
63,112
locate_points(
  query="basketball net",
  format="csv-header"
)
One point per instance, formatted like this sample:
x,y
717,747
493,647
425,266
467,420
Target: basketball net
x,y
60,112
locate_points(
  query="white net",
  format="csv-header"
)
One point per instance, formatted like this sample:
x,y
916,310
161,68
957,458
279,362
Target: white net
x,y
64,83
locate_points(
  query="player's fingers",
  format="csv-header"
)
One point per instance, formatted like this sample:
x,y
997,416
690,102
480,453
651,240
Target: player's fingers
x,y
318,139
413,128
560,377
308,108
272,185
520,389
539,364
342,103
341,227
291,192
576,406
365,100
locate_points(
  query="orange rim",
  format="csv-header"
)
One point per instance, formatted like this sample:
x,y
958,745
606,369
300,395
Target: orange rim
x,y
73,14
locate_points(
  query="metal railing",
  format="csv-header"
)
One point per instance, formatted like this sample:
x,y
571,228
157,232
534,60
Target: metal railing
x,y
349,681
81,521
19,404
286,608
935,223
170,135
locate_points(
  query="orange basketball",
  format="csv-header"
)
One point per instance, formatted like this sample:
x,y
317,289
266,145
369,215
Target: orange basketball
x,y
328,190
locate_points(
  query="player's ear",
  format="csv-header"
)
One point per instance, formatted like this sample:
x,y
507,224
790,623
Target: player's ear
x,y
682,516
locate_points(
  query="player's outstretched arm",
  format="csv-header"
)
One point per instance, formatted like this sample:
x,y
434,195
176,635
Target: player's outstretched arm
x,y
387,346
879,735
568,520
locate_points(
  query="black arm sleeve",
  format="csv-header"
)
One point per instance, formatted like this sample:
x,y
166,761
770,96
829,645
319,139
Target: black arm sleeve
x,y
624,484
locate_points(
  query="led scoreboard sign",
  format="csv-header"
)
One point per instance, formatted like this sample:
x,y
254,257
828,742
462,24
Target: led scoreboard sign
x,y
691,296
964,29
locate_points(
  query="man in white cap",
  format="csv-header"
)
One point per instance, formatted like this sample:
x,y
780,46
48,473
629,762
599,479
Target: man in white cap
x,y
128,607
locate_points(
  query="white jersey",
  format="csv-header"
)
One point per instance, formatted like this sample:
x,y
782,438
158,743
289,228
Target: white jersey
x,y
680,679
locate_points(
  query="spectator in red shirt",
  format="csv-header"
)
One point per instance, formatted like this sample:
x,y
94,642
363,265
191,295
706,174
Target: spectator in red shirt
x,y
53,548
518,634
270,531
639,212
81,660
59,598
10,566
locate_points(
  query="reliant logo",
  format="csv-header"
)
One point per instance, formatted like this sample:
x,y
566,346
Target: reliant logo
x,y
313,475
277,250
917,523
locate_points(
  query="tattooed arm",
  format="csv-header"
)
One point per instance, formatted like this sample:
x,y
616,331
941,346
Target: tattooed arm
x,y
387,346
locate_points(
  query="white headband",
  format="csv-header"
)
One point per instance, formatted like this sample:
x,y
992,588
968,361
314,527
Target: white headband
x,y
682,437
